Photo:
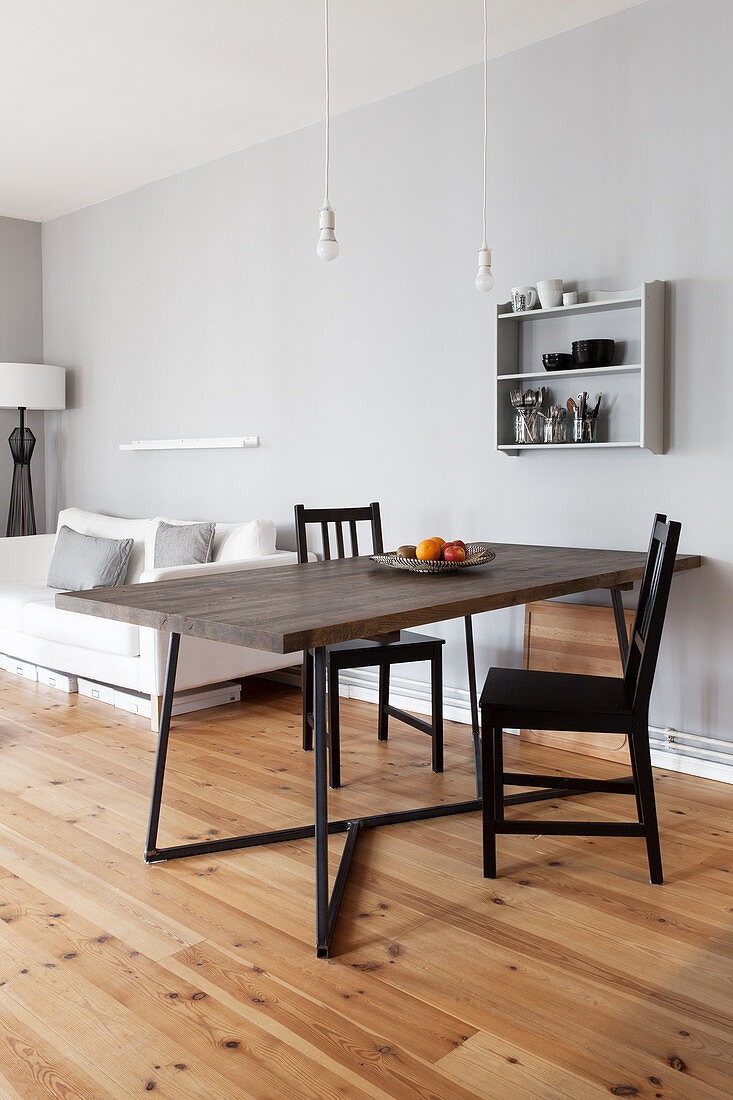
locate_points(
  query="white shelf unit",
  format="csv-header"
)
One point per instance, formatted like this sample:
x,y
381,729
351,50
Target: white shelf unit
x,y
632,407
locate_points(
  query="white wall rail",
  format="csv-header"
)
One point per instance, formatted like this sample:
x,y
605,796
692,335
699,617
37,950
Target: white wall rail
x,y
194,444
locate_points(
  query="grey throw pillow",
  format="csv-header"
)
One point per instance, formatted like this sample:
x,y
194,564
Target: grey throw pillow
x,y
86,561
183,544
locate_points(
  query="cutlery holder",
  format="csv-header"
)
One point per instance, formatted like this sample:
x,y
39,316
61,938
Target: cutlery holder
x,y
556,431
528,426
585,429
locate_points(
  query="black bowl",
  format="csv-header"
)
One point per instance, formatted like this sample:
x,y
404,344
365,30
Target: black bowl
x,y
557,360
593,353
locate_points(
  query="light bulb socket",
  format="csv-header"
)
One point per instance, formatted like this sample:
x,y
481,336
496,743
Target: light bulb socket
x,y
326,220
484,256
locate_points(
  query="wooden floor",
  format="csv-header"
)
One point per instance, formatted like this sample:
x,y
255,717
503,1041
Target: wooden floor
x,y
569,976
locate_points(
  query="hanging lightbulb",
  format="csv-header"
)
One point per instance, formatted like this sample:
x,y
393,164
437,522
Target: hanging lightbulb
x,y
484,279
327,247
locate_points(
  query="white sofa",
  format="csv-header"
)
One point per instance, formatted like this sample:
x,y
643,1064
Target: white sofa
x,y
32,629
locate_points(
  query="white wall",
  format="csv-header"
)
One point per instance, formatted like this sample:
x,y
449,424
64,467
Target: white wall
x,y
21,341
197,306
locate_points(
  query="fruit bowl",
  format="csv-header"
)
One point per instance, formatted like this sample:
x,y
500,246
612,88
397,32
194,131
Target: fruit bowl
x,y
476,554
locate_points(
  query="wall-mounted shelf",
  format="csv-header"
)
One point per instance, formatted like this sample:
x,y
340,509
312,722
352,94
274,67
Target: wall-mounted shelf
x,y
550,375
509,447
598,301
195,444
632,407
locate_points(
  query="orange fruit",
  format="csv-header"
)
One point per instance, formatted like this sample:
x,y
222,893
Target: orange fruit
x,y
428,550
440,542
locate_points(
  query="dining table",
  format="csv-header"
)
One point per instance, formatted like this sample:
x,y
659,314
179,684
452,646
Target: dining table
x,y
292,608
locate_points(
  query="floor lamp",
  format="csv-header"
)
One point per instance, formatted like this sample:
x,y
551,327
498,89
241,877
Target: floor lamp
x,y
27,386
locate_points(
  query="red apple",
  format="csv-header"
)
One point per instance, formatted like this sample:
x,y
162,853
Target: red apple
x,y
459,542
453,552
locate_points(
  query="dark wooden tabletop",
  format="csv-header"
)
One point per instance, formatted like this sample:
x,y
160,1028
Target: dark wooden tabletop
x,y
287,608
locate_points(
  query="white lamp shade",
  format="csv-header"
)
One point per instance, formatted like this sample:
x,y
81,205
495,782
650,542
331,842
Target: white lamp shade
x,y
32,386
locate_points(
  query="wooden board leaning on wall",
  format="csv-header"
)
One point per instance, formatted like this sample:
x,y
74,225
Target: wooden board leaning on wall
x,y
570,637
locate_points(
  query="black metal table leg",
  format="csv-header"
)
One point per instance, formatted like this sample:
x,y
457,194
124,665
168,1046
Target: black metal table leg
x,y
473,698
621,632
321,799
163,733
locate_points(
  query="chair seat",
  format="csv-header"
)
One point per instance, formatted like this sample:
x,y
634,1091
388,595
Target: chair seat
x,y
553,700
407,637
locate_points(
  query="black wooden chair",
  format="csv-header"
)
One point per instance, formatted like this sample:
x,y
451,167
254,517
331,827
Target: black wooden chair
x,y
599,704
364,653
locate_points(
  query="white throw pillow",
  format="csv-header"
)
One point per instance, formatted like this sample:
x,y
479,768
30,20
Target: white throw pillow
x,y
232,541
112,527
241,541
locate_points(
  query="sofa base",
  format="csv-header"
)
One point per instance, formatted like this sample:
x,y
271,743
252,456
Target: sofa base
x,y
132,701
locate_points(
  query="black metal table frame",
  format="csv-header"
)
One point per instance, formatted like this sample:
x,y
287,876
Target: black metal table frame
x,y
327,908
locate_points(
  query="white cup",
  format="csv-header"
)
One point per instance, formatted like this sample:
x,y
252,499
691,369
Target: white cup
x,y
523,298
550,292
570,298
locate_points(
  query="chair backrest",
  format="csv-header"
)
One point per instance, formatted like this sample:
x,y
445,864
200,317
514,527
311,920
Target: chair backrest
x,y
646,633
338,517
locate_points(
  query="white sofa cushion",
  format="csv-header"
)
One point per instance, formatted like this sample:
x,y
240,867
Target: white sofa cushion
x,y
15,596
42,619
232,541
112,527
240,541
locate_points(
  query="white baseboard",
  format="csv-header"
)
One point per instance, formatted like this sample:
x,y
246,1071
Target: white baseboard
x,y
414,695
688,764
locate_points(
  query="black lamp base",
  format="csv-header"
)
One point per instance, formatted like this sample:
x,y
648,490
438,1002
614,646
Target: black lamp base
x,y
21,514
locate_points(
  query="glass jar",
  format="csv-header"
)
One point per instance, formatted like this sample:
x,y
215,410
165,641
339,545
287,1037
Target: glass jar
x,y
528,426
556,431
585,429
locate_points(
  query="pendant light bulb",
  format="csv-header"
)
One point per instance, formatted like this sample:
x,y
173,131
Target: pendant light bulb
x,y
484,278
327,247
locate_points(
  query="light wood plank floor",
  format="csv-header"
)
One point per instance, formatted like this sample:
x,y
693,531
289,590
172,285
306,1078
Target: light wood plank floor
x,y
569,976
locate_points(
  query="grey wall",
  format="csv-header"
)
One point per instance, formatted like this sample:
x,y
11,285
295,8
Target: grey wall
x,y
21,341
196,306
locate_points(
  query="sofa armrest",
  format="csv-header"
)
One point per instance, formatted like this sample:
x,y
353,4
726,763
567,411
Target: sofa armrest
x,y
26,557
209,568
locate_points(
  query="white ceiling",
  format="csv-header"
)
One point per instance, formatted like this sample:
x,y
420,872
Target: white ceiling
x,y
101,96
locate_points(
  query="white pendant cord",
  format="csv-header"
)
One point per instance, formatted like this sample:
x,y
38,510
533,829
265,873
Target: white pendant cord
x,y
484,279
486,108
328,103
327,247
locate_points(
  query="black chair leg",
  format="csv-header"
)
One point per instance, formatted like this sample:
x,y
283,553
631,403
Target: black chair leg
x,y
436,675
635,773
498,770
489,807
307,676
648,803
334,736
383,728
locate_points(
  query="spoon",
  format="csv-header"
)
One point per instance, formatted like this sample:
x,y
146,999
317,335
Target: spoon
x,y
572,407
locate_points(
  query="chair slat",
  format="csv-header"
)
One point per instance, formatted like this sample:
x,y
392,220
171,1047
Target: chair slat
x,y
326,542
354,539
340,539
